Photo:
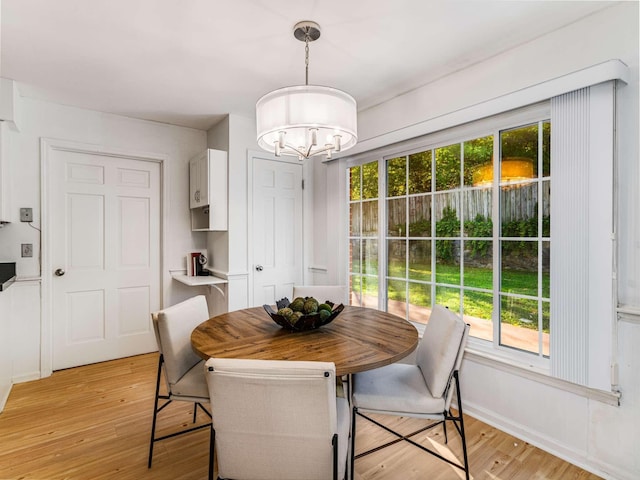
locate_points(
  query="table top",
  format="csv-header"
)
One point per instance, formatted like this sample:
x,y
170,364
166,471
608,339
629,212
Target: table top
x,y
358,339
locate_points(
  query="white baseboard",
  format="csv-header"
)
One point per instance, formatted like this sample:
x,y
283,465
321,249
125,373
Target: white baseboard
x,y
525,433
4,395
27,377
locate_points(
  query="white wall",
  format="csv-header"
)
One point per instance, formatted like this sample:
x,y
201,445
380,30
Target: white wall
x,y
236,134
327,250
22,152
598,436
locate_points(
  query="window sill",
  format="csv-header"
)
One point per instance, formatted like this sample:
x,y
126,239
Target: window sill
x,y
531,372
539,375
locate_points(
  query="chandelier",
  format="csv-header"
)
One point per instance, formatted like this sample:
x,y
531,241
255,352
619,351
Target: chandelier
x,y
306,120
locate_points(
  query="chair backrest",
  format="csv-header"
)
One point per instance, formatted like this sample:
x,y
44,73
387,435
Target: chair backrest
x,y
334,293
154,321
173,327
441,348
274,418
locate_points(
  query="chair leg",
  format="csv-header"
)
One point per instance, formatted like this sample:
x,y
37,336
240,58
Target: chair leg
x,y
444,428
461,428
207,412
353,442
155,411
407,438
334,443
212,443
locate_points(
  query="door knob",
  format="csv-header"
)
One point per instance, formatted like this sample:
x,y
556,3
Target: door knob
x,y
259,268
59,272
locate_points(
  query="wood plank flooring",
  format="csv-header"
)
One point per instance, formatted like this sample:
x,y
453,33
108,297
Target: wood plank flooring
x,y
93,422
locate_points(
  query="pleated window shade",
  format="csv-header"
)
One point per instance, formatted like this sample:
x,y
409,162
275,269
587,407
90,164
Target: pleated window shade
x,y
582,304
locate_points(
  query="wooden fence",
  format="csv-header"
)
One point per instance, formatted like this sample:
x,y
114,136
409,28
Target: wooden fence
x,y
518,202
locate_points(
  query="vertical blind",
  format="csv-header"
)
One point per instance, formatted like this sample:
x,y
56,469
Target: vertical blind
x,y
582,307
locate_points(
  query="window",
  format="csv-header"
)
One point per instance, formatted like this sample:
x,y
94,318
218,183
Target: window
x,y
464,218
431,225
363,234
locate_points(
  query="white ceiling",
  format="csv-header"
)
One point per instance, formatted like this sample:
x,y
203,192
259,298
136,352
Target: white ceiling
x,y
189,62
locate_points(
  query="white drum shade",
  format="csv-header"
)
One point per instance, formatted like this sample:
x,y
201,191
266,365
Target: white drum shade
x,y
306,120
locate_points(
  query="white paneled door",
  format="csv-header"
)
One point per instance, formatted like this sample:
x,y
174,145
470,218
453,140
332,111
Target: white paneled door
x,y
277,229
105,232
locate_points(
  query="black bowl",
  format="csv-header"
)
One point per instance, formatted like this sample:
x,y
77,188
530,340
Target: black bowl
x,y
306,322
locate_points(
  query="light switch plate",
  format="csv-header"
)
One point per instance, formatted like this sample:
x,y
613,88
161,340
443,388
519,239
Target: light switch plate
x,y
26,215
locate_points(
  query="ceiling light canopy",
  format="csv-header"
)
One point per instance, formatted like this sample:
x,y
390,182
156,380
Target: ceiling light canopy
x,y
306,120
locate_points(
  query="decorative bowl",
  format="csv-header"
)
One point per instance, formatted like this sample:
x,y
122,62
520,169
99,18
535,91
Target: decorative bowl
x,y
305,322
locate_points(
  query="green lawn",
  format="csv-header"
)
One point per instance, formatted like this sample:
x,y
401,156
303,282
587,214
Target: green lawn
x,y
517,311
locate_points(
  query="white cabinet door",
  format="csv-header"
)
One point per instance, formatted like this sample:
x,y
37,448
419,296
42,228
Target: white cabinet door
x,y
217,192
199,181
105,221
208,186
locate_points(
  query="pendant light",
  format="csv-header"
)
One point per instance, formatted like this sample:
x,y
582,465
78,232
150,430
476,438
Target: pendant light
x,y
512,169
306,120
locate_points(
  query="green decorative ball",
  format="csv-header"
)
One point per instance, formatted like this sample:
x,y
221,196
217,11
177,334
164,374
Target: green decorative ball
x,y
294,317
285,312
310,305
324,306
297,305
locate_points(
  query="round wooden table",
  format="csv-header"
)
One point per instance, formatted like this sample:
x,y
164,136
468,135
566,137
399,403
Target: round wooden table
x,y
358,339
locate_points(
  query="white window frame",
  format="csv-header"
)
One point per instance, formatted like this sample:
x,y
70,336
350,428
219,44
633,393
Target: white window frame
x,y
480,128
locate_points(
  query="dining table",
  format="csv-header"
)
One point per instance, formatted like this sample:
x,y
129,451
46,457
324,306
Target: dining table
x,y
358,339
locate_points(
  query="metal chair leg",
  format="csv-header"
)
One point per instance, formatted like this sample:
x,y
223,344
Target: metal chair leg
x,y
458,422
461,428
155,412
212,443
444,428
353,441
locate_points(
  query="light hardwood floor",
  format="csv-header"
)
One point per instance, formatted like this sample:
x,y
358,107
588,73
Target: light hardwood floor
x,y
93,422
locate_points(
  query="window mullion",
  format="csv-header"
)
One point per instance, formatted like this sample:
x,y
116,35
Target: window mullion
x,y
433,227
461,200
406,238
382,234
496,245
540,212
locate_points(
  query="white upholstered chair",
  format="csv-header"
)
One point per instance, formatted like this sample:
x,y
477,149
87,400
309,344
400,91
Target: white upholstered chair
x,y
277,419
334,293
423,390
183,369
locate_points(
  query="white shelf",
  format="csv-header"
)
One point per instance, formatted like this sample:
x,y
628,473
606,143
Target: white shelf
x,y
209,281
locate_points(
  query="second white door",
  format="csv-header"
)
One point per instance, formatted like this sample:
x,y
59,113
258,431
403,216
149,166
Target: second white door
x,y
277,229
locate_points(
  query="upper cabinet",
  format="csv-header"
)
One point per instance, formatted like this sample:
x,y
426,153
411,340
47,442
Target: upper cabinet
x,y
199,180
208,191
